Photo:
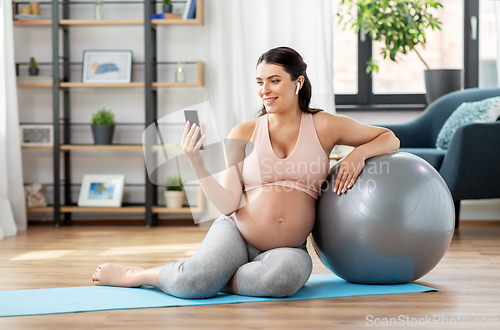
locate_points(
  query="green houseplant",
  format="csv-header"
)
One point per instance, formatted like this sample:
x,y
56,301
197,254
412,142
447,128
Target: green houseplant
x,y
401,26
33,67
174,194
103,126
167,6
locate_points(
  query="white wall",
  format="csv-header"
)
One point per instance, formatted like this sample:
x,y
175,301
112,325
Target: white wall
x,y
175,43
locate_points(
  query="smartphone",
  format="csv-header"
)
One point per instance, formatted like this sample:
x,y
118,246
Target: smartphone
x,y
192,117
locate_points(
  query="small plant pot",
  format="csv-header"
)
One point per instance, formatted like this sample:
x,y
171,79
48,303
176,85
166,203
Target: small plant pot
x,y
103,134
167,8
33,71
174,199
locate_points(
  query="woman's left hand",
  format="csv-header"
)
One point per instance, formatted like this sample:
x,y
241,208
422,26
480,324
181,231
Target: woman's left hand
x,y
349,170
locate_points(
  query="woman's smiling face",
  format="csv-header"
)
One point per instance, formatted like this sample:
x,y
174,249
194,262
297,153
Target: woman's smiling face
x,y
275,88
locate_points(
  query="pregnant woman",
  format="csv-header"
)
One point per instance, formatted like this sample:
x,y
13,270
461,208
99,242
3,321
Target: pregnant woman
x,y
267,197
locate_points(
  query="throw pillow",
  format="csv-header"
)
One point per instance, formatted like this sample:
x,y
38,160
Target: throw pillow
x,y
483,111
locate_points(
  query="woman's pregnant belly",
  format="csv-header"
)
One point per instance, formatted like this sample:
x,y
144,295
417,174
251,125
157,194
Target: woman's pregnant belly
x,y
276,216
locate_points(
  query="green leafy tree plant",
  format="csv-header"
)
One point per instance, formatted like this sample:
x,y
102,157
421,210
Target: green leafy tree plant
x,y
174,183
399,24
103,117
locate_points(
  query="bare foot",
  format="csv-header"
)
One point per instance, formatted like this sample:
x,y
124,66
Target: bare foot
x,y
118,275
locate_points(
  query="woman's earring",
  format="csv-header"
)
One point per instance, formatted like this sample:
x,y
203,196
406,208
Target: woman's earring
x,y
298,87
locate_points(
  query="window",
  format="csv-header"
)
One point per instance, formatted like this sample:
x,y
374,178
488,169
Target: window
x,y
400,85
345,58
488,76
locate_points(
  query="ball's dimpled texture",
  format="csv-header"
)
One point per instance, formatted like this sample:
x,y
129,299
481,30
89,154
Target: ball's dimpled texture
x,y
393,226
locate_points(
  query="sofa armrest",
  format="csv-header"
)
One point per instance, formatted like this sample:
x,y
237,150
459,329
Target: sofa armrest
x,y
411,134
471,167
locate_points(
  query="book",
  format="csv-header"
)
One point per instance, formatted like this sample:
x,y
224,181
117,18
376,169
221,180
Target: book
x,y
186,9
192,10
26,17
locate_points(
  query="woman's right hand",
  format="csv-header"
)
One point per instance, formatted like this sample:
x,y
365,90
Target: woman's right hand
x,y
191,150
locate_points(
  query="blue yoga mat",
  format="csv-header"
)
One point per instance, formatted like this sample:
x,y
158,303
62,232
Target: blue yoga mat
x,y
101,298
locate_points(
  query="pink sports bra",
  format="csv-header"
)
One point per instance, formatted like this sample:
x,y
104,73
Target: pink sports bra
x,y
305,168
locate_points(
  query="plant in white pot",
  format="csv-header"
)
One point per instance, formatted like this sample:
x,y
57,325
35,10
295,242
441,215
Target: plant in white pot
x,y
103,126
401,26
174,194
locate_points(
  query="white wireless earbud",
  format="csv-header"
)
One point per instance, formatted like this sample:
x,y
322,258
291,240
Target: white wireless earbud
x,y
298,87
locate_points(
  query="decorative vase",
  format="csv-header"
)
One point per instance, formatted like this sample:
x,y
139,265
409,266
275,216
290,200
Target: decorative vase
x,y
167,8
103,134
33,71
180,76
35,8
441,82
98,10
174,199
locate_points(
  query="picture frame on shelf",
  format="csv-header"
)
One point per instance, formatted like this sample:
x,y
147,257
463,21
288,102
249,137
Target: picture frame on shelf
x,y
102,190
36,135
107,66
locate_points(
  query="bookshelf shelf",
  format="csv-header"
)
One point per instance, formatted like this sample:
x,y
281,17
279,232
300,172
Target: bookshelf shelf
x,y
34,85
47,209
37,147
100,147
93,85
34,23
91,22
151,73
90,209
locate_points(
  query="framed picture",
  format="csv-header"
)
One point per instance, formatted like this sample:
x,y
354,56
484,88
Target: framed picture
x,y
107,66
36,135
101,190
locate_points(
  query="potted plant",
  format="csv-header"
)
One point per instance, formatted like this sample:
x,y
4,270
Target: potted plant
x,y
400,25
103,126
174,195
167,6
33,67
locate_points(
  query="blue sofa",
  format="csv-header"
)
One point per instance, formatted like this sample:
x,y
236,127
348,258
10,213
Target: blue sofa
x,y
471,165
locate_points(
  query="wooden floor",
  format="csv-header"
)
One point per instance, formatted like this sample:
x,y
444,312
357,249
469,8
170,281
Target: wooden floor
x,y
43,257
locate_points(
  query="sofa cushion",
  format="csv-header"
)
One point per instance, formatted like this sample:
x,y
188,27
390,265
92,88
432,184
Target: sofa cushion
x,y
431,155
483,111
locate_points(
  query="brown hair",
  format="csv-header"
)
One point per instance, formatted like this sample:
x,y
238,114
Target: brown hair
x,y
294,65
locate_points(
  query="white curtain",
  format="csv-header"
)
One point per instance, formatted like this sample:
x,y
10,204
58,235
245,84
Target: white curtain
x,y
240,31
497,18
12,203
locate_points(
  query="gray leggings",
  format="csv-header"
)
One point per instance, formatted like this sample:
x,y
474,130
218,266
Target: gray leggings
x,y
277,272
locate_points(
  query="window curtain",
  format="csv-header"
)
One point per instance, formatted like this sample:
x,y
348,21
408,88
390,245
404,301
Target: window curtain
x,y
240,31
12,202
497,18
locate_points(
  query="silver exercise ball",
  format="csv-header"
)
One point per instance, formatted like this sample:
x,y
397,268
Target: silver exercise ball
x,y
393,226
